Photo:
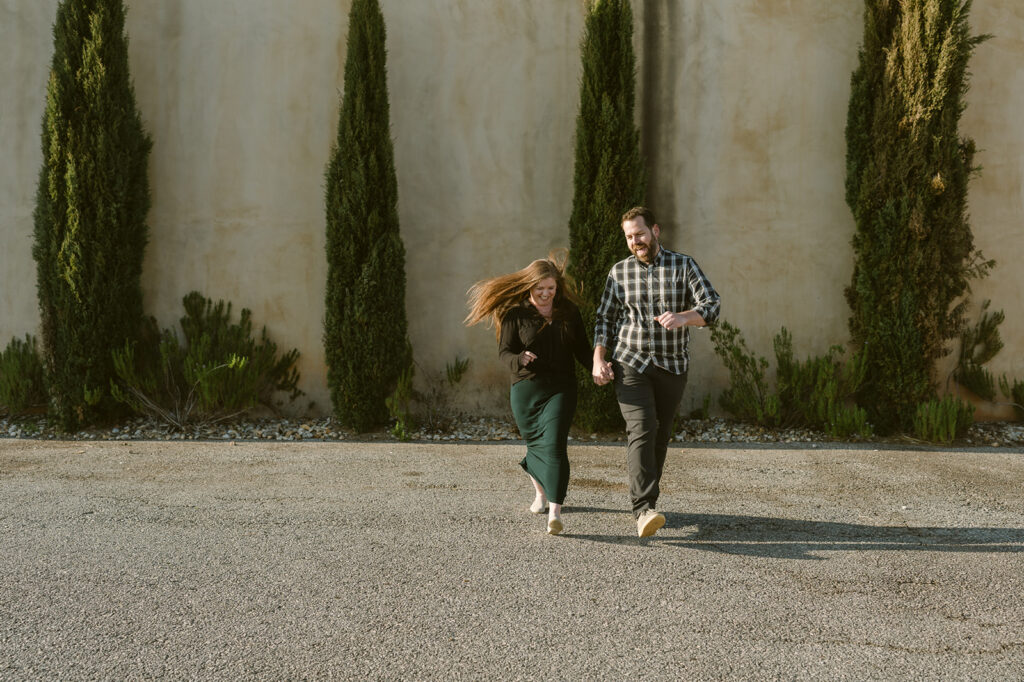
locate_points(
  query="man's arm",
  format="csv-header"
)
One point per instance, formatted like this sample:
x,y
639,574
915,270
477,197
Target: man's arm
x,y
604,327
707,302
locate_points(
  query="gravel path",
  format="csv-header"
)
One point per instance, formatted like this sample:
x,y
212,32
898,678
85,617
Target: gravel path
x,y
202,560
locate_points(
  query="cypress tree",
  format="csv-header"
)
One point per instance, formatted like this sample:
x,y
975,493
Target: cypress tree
x,y
365,328
907,174
90,216
609,176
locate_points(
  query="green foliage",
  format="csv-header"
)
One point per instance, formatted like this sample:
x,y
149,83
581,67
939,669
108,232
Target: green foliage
x,y
943,421
435,401
1015,393
218,373
818,392
93,195
748,397
365,328
455,370
21,376
433,405
398,406
609,177
978,345
907,173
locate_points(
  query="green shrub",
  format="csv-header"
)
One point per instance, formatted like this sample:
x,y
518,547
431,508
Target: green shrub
x,y
748,397
219,372
90,227
1015,393
21,377
943,421
978,345
398,406
435,401
819,392
608,178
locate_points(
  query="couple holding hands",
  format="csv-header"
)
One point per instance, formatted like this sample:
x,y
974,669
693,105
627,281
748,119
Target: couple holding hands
x,y
640,337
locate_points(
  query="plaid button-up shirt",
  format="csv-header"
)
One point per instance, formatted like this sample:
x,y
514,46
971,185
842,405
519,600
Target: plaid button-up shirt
x,y
635,294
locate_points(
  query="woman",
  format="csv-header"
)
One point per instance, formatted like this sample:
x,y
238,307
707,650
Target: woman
x,y
540,331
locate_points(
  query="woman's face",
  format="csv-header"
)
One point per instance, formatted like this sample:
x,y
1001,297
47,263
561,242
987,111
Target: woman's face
x,y
543,293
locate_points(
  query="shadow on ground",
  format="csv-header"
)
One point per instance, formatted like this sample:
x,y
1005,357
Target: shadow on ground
x,y
777,538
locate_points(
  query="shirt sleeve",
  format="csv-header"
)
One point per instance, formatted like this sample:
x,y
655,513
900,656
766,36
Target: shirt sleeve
x,y
509,343
706,301
607,314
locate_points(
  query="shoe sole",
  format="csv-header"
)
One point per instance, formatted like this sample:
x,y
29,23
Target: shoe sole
x,y
554,527
652,527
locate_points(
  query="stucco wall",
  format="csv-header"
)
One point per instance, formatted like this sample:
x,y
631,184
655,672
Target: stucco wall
x,y
742,105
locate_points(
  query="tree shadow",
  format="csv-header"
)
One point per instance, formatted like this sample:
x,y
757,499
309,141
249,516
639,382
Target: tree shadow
x,y
778,538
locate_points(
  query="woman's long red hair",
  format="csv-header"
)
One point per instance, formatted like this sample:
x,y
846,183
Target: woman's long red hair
x,y
490,299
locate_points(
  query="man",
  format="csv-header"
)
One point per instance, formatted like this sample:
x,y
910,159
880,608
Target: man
x,y
649,302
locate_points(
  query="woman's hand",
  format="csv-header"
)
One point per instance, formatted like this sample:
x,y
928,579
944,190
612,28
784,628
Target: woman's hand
x,y
525,358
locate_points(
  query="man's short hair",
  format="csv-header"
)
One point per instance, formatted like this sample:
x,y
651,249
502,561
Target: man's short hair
x,y
641,212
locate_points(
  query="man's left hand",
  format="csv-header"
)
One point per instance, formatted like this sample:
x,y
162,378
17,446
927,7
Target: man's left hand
x,y
670,320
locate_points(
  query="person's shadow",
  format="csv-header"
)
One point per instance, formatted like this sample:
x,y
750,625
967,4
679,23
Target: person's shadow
x,y
777,538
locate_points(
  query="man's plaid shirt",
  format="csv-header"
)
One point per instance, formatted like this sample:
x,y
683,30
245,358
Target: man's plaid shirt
x,y
635,294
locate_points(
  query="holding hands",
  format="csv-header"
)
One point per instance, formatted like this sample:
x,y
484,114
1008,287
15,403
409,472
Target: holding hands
x,y
602,371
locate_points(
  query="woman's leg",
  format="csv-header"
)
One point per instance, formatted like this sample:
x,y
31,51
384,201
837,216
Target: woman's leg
x,y
555,518
540,502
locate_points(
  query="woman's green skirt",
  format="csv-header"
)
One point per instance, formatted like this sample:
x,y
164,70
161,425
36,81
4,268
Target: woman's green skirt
x,y
544,408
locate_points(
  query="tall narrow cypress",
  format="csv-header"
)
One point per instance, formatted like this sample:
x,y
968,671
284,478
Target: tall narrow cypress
x,y
907,173
609,176
90,216
365,329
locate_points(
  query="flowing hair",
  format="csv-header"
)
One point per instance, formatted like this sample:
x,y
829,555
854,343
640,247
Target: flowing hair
x,y
490,299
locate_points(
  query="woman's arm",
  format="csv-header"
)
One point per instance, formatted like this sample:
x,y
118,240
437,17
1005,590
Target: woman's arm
x,y
510,347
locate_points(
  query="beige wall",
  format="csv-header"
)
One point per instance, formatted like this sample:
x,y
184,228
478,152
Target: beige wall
x,y
742,107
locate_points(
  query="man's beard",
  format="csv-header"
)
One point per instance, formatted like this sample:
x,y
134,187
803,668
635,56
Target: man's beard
x,y
652,251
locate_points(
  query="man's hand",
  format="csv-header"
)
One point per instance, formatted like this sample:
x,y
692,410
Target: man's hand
x,y
670,320
603,372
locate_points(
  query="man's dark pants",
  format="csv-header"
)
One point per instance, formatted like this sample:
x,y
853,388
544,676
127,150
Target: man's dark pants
x,y
648,401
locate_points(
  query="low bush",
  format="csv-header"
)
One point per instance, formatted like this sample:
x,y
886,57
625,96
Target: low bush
x,y
748,397
978,345
217,373
433,406
436,412
816,393
819,392
398,404
1015,392
21,377
943,420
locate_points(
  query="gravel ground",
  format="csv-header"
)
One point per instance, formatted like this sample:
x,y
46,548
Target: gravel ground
x,y
989,434
254,560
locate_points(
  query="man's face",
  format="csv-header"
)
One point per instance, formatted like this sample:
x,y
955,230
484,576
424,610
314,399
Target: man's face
x,y
641,240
